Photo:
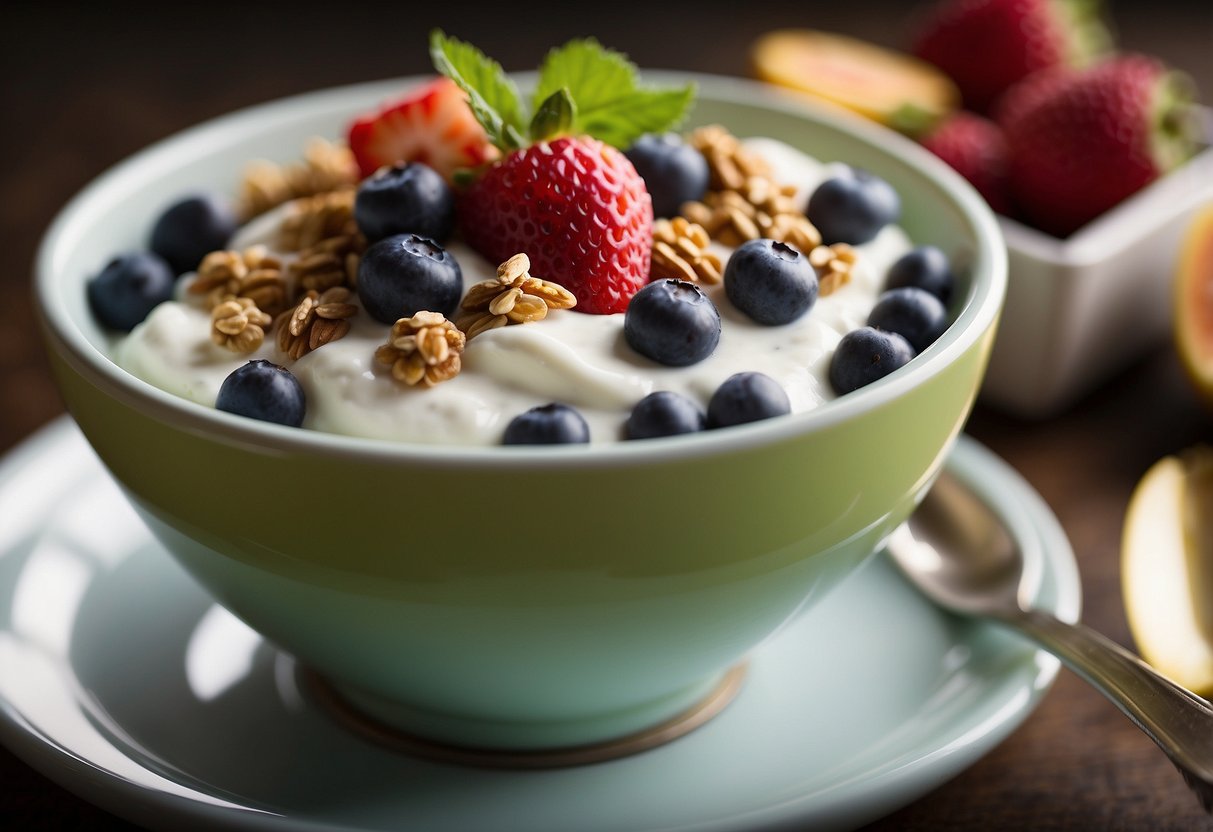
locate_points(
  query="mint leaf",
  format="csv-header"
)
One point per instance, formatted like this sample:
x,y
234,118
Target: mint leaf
x,y
554,117
494,98
593,74
642,111
611,104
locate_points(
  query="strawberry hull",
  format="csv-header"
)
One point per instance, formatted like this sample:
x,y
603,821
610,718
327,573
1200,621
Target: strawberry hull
x,y
577,208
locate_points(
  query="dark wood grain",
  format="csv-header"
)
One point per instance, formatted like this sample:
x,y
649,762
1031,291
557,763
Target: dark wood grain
x,y
83,87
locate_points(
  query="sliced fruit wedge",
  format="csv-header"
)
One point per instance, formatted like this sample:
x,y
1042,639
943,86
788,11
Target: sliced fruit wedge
x,y
431,124
889,87
1167,568
1194,303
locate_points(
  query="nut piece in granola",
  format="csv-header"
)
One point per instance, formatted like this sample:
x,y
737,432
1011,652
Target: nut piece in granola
x,y
314,218
515,297
325,167
834,265
238,325
329,263
729,163
681,252
318,319
423,350
251,274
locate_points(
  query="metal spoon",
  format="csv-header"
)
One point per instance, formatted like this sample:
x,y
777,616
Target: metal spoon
x,y
956,550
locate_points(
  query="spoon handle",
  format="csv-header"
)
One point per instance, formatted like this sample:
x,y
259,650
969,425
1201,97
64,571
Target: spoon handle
x,y
1180,722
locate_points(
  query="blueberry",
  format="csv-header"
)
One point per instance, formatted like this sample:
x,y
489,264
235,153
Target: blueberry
x,y
924,268
865,355
852,207
914,314
550,424
747,397
190,229
408,198
771,282
265,391
672,322
128,288
673,171
664,414
404,274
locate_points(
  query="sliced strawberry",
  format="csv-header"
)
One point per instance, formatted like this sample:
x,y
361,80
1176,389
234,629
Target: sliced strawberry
x,y
431,124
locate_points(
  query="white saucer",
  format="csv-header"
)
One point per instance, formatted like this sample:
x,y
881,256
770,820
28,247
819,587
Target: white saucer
x,y
123,682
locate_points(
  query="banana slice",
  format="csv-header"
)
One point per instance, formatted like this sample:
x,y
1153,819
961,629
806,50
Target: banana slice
x,y
1167,568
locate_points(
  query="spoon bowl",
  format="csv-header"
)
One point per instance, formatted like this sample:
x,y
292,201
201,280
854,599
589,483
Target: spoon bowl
x,y
994,572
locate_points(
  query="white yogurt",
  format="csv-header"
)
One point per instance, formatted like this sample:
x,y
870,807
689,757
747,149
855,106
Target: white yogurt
x,y
578,359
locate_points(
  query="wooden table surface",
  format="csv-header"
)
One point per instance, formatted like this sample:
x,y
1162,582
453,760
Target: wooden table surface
x,y
84,87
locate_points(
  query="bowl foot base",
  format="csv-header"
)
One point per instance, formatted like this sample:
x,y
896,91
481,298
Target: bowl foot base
x,y
324,694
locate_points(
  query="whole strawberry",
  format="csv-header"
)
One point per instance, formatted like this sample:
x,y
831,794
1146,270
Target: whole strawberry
x,y
976,148
986,46
562,193
1080,144
577,208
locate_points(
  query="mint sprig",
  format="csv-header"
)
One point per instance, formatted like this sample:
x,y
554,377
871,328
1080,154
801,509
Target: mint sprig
x,y
583,89
612,105
492,95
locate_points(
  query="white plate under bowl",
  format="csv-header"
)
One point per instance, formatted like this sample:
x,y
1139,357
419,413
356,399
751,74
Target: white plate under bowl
x,y
122,681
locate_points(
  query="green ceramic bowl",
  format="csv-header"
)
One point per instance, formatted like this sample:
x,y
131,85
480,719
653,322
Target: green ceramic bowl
x,y
512,597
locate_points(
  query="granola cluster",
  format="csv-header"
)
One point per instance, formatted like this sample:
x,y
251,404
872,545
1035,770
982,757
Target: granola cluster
x,y
239,325
833,265
313,219
328,263
251,274
325,167
318,319
423,350
515,297
681,251
743,201
307,299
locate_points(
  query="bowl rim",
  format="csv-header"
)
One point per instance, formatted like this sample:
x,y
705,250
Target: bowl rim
x,y
980,312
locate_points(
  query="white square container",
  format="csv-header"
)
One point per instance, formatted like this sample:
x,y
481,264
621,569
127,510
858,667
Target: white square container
x,y
1080,309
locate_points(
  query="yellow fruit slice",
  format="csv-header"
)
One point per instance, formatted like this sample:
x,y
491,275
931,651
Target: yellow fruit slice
x,y
1167,568
1194,303
886,86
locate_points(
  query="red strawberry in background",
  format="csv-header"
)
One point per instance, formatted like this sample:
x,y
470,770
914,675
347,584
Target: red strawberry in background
x,y
986,46
431,124
577,208
1082,143
976,148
